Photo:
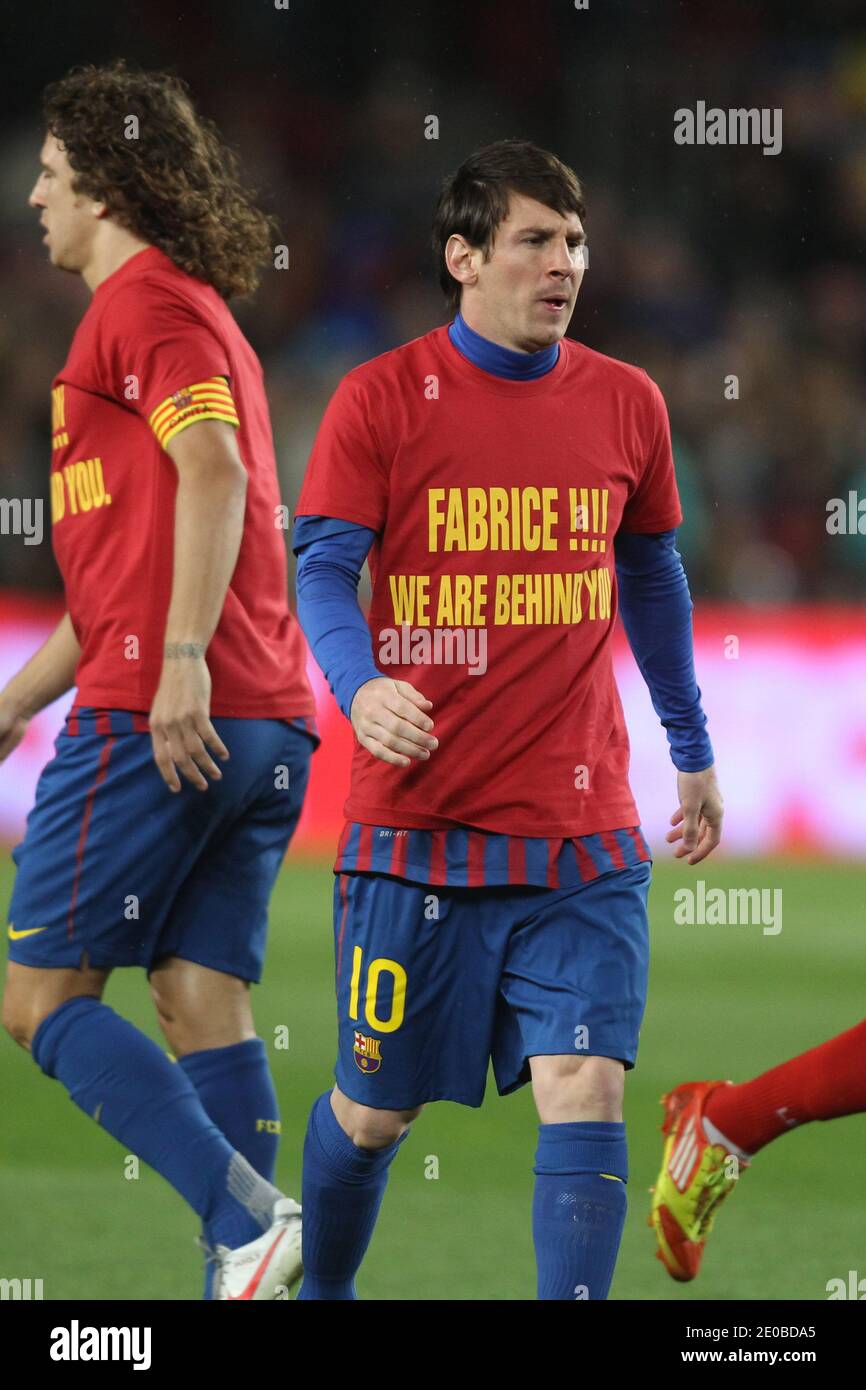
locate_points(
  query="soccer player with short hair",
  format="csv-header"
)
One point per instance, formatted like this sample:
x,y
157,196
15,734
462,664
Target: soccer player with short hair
x,y
161,822
492,878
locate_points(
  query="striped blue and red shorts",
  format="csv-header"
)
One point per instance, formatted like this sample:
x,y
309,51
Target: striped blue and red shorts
x,y
115,870
457,948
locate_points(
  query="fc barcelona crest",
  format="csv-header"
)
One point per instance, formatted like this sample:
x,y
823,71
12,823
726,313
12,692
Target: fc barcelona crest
x,y
368,1055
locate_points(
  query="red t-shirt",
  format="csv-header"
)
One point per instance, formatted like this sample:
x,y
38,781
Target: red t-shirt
x,y
496,503
156,351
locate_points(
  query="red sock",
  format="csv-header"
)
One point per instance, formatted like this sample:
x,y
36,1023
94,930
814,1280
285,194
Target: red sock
x,y
821,1084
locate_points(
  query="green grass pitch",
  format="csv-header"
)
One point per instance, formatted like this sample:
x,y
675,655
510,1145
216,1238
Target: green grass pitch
x,y
724,1001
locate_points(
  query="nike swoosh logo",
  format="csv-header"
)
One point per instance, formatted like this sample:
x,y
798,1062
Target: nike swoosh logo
x,y
17,935
259,1274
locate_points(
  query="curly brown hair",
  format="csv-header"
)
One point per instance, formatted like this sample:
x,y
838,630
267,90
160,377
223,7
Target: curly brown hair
x,y
176,185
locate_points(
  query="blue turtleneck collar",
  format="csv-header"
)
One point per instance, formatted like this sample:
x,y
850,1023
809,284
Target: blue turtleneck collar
x,y
501,361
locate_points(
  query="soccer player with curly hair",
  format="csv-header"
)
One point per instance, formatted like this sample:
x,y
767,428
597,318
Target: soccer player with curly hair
x,y
161,822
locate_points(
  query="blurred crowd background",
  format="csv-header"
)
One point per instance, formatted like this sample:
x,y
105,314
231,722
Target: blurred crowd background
x,y
705,262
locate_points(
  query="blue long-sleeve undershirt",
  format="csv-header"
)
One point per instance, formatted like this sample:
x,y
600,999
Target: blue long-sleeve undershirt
x,y
654,601
656,609
331,555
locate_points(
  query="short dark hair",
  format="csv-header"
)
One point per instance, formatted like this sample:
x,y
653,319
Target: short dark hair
x,y
474,200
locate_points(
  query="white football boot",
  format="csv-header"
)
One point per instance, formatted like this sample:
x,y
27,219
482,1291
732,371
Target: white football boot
x,y
265,1268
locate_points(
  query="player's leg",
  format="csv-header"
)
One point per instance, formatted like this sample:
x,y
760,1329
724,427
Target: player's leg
x,y
581,1169
103,836
118,1076
415,1022
574,988
824,1083
348,1151
213,943
350,1143
206,1017
31,994
198,1008
713,1129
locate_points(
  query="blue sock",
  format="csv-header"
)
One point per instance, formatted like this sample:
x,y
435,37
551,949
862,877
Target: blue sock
x,y
124,1081
579,1206
343,1187
235,1086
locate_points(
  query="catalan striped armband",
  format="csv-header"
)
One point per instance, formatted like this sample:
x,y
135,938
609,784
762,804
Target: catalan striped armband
x,y
207,400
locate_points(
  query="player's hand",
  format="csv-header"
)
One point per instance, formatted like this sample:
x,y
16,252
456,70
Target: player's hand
x,y
13,727
390,720
698,819
180,728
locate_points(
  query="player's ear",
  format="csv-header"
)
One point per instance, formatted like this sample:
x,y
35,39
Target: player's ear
x,y
459,259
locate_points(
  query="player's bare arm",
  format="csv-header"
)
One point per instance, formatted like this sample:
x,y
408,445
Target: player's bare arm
x,y
391,721
209,519
48,674
698,818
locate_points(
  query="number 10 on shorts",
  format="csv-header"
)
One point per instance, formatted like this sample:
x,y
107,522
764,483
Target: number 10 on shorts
x,y
374,971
